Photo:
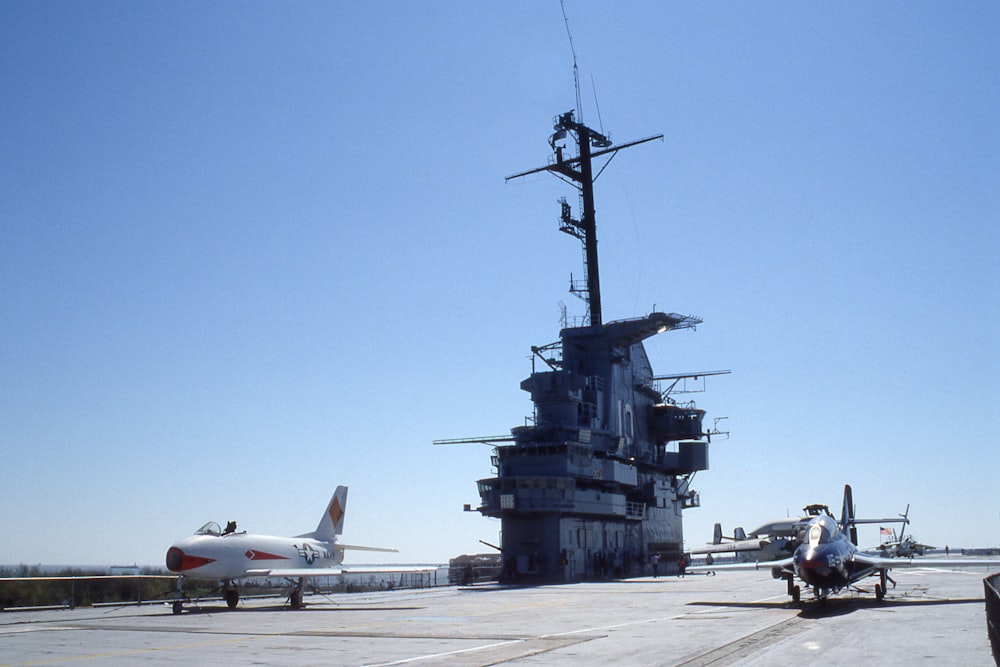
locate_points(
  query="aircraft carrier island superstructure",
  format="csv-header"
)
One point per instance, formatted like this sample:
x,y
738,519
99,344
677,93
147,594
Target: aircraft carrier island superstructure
x,y
595,484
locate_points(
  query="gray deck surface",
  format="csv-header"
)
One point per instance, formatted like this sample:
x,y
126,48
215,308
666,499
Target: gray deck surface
x,y
734,618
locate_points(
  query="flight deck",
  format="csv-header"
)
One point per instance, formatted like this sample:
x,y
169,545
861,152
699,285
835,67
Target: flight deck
x,y
734,618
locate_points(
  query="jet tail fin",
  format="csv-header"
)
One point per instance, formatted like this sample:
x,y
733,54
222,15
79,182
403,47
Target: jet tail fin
x,y
739,533
905,516
717,535
847,523
331,524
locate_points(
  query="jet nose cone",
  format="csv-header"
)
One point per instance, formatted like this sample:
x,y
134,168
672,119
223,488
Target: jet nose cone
x,y
175,559
178,561
816,567
821,567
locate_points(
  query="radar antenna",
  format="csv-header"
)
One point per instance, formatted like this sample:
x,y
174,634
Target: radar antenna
x,y
576,71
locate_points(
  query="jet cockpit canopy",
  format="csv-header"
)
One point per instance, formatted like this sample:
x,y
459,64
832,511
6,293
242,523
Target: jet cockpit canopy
x,y
822,529
210,528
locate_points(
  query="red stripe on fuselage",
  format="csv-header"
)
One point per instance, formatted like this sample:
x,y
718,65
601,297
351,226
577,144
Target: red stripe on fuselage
x,y
263,555
178,561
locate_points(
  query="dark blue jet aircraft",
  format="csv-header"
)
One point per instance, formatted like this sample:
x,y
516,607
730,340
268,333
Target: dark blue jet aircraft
x,y
828,559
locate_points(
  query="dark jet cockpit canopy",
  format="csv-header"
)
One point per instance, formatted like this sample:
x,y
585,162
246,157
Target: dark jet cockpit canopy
x,y
822,530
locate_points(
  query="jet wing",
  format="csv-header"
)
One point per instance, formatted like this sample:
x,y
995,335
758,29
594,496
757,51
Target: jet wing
x,y
89,577
354,569
302,572
729,547
750,565
925,561
357,548
336,571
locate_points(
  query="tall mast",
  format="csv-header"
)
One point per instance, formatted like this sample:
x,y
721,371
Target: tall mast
x,y
579,171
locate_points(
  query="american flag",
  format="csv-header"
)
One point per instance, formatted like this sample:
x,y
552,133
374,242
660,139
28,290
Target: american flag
x,y
884,531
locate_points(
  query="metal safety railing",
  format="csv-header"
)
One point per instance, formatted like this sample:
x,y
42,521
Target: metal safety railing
x,y
991,585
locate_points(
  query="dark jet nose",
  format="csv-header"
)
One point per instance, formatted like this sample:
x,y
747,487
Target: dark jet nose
x,y
175,559
815,567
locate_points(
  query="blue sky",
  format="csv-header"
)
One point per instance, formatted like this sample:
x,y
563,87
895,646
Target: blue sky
x,y
255,250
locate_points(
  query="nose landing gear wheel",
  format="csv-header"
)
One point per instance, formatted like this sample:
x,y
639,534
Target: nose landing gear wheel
x,y
232,598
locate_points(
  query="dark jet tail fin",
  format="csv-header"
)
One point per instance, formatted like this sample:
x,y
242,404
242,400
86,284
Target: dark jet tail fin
x,y
847,515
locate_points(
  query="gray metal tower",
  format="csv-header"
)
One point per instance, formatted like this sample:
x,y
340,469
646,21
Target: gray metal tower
x,y
595,485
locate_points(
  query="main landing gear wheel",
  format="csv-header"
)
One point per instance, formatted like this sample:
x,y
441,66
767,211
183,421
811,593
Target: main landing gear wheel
x,y
793,590
295,597
177,607
232,598
880,587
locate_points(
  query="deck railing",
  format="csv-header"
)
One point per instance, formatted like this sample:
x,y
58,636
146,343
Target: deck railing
x,y
991,585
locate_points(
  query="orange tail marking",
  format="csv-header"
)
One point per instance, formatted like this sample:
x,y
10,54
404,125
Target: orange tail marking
x,y
336,512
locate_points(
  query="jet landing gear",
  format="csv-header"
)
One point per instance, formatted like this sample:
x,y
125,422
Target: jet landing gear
x,y
177,606
822,595
231,595
793,589
295,597
881,587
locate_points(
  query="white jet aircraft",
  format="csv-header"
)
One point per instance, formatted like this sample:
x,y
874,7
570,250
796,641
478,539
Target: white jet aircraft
x,y
227,555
